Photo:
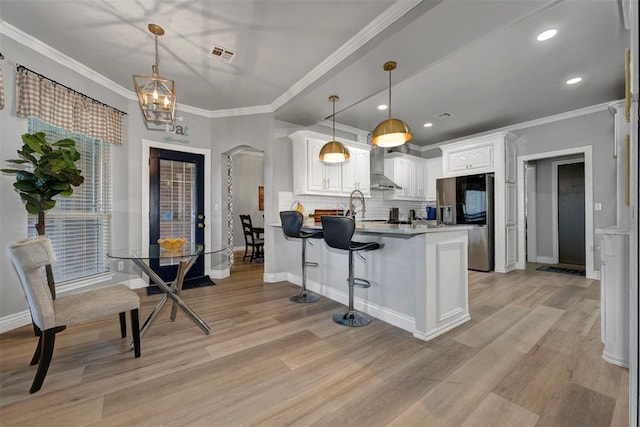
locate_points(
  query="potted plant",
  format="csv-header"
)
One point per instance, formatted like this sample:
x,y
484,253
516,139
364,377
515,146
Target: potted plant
x,y
48,170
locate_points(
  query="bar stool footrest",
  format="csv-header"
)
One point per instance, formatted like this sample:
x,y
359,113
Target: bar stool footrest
x,y
361,283
352,319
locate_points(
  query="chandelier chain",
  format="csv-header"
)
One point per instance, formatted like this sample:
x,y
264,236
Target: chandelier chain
x,y
157,63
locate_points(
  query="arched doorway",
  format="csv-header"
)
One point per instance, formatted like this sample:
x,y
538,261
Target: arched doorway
x,y
244,177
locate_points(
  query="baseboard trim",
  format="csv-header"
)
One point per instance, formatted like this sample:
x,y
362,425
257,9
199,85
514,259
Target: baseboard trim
x,y
136,283
545,260
275,277
220,274
14,321
441,330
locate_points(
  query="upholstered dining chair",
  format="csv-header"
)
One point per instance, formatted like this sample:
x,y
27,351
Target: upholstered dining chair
x,y
51,316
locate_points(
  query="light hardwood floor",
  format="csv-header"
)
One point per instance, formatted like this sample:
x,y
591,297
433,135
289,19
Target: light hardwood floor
x,y
530,356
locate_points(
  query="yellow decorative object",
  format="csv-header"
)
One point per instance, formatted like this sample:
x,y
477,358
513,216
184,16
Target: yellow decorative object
x,y
297,206
172,243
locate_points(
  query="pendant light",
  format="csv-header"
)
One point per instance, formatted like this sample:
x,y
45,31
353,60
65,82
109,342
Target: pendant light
x,y
156,95
391,132
334,151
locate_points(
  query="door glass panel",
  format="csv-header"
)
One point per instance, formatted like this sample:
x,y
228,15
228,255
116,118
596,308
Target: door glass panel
x,y
177,202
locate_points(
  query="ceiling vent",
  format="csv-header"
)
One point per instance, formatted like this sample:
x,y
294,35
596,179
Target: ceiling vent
x,y
443,116
223,54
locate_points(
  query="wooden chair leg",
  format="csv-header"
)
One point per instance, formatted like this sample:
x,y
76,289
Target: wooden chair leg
x,y
135,331
47,342
123,324
36,354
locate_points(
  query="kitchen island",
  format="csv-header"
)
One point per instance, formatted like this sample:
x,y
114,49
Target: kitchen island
x,y
418,278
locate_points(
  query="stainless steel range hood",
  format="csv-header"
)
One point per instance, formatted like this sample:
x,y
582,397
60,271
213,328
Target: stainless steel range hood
x,y
378,180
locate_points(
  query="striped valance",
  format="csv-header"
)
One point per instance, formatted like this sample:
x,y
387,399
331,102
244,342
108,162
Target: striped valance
x,y
65,108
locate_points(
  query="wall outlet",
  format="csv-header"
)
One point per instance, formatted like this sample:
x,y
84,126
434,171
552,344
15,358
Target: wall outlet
x,y
120,265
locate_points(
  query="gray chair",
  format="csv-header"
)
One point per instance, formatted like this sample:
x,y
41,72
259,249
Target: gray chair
x,y
338,232
291,227
51,316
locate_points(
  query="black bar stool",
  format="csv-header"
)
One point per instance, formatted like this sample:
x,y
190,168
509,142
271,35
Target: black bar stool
x,y
291,226
338,231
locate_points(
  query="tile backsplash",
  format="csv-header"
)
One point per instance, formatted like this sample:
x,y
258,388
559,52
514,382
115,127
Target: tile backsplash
x,y
377,207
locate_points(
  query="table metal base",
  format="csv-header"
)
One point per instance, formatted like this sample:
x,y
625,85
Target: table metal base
x,y
171,292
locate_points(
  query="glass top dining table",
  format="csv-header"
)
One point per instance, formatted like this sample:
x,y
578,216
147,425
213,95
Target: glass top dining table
x,y
185,257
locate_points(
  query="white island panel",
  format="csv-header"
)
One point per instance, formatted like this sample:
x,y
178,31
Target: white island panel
x,y
418,278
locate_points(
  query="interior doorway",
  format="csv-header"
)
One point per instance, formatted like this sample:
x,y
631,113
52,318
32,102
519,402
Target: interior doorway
x,y
245,180
537,193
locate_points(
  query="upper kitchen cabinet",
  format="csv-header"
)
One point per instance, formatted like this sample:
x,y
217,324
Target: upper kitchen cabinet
x,y
311,176
409,172
356,171
434,171
467,159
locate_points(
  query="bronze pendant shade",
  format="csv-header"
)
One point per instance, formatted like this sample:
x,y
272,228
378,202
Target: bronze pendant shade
x,y
391,132
334,151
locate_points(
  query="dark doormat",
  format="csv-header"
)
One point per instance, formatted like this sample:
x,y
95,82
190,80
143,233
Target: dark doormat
x,y
196,282
562,270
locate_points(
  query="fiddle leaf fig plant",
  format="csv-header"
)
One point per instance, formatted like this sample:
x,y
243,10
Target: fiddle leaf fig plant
x,y
52,172
46,171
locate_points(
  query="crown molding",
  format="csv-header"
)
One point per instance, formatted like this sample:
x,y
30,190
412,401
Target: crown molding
x,y
531,123
62,59
232,112
375,27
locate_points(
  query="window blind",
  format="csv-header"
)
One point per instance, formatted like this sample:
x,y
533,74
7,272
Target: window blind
x,y
79,226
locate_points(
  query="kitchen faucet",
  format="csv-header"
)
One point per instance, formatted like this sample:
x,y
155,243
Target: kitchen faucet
x,y
351,210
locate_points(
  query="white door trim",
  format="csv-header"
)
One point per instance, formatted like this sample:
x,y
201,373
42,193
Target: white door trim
x,y
144,182
531,218
588,200
554,205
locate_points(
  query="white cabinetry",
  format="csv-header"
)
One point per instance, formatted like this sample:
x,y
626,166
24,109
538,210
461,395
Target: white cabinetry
x,y
419,179
434,171
614,295
409,172
311,176
491,154
356,171
321,177
468,160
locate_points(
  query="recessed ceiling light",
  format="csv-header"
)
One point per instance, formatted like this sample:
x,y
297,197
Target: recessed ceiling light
x,y
546,35
382,107
428,124
574,80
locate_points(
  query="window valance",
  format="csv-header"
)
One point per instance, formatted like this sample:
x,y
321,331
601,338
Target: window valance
x,y
63,107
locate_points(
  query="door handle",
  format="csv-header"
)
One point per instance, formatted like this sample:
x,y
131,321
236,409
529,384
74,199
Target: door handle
x,y
200,216
200,225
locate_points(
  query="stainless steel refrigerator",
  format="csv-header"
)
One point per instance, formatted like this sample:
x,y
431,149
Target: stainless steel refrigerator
x,y
468,200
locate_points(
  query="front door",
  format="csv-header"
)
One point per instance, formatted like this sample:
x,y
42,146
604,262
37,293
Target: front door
x,y
176,205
